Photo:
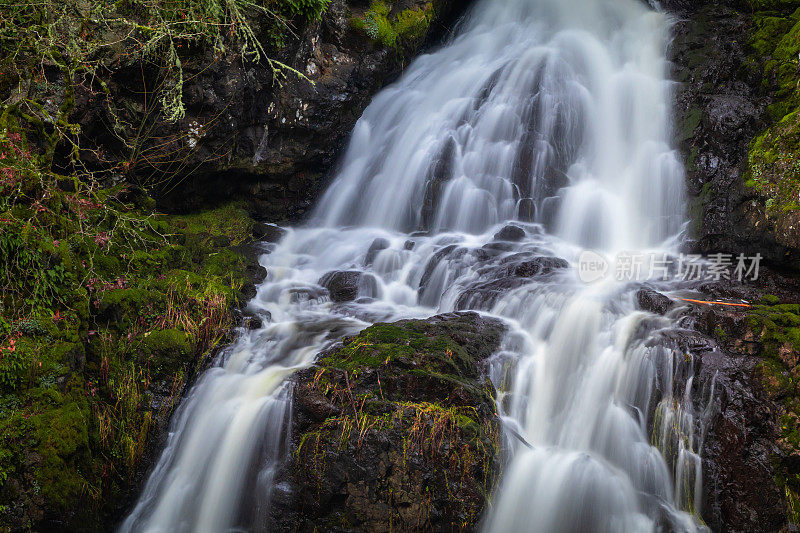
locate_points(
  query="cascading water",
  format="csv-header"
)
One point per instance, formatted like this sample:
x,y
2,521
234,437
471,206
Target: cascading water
x,y
551,113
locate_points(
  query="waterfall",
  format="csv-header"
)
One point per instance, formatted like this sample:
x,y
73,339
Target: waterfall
x,y
553,115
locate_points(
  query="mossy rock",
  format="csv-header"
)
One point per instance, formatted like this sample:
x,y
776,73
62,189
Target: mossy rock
x,y
165,350
121,307
396,425
395,29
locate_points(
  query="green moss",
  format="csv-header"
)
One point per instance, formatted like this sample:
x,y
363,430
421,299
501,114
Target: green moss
x,y
777,328
167,343
407,26
63,436
137,301
773,163
690,123
230,220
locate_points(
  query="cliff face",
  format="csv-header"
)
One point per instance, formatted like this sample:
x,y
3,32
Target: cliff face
x,y
736,101
251,133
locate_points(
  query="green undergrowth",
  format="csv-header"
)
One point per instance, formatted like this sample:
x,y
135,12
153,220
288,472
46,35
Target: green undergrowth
x,y
391,29
106,306
773,167
777,328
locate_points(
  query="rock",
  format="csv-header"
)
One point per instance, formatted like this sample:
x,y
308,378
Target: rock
x,y
345,285
376,246
721,107
538,266
268,232
438,176
409,245
510,233
750,455
526,210
252,322
655,302
396,425
495,280
244,135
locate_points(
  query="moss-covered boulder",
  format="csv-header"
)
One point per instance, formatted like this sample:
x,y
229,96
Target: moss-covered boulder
x,y
394,429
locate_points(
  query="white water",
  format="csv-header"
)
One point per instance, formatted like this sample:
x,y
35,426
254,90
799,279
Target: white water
x,y
551,112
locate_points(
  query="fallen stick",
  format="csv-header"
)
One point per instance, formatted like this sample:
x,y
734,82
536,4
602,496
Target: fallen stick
x,y
714,303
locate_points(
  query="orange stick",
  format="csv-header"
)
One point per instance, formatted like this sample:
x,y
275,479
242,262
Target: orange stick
x,y
715,303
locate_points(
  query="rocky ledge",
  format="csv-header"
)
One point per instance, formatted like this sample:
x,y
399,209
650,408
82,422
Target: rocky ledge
x,y
745,363
394,429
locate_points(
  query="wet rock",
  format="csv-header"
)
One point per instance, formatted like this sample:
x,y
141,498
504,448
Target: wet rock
x,y
396,425
721,107
439,174
510,233
267,232
253,323
748,358
526,210
409,245
376,246
655,302
449,252
512,272
538,266
345,285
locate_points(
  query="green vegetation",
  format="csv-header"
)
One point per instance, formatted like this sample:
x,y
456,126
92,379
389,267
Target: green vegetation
x,y
80,37
393,30
777,328
104,305
107,308
773,164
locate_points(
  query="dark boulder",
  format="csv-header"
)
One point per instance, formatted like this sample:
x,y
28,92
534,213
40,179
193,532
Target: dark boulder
x,y
536,266
347,285
655,302
376,246
510,233
267,232
396,425
512,272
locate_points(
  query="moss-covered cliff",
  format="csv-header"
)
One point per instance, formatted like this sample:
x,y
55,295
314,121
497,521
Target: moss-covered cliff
x,y
737,124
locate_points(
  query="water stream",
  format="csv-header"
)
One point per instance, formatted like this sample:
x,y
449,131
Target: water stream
x,y
555,115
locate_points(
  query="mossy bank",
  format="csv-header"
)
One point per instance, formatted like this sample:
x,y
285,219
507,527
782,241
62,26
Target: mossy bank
x,y
108,312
